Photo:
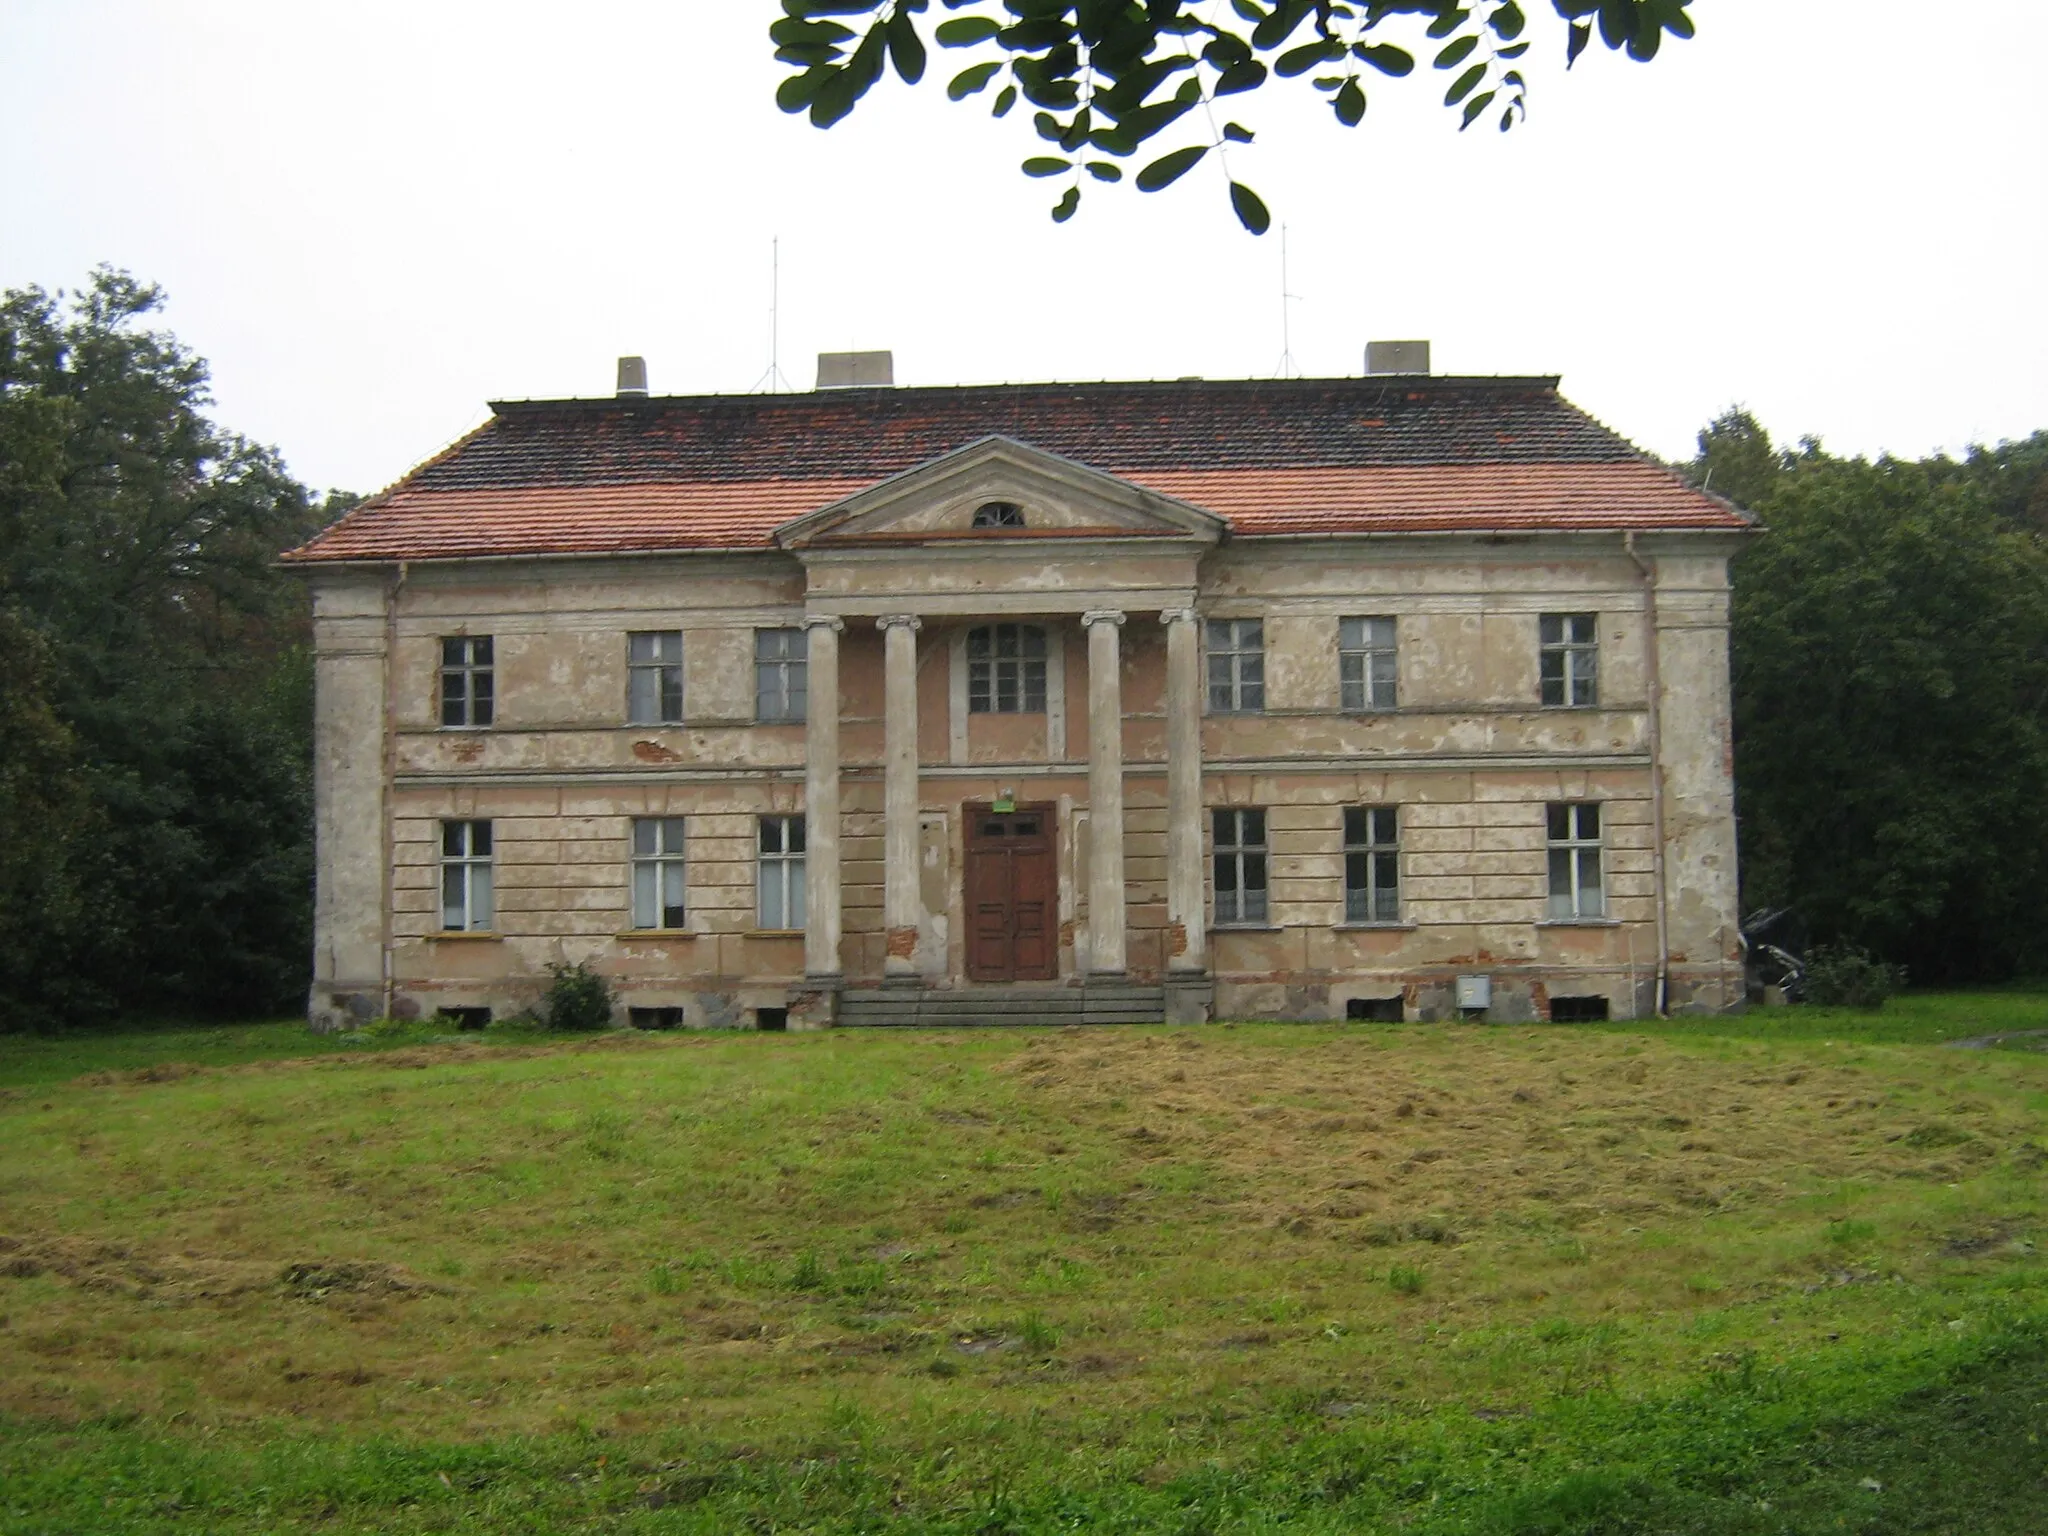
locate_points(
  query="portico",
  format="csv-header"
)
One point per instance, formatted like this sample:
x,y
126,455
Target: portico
x,y
1084,550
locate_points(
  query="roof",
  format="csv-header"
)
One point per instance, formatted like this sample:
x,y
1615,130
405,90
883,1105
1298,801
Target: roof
x,y
1392,453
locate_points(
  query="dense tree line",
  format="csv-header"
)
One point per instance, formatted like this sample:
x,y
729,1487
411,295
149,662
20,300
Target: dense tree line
x,y
1890,655
155,687
1891,697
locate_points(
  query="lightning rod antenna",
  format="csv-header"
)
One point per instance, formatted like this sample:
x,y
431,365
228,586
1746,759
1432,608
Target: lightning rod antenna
x,y
1288,368
773,381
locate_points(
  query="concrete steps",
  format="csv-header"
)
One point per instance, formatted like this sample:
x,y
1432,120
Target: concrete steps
x,y
969,1007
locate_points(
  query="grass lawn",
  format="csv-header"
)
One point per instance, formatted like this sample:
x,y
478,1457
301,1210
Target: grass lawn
x,y
1771,1274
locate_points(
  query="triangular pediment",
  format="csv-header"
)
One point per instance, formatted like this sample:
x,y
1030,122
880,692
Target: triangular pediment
x,y
1054,497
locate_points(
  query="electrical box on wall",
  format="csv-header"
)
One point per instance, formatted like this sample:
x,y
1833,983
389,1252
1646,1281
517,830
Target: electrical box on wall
x,y
1475,993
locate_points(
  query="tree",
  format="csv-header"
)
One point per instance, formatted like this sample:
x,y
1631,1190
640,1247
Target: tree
x,y
155,649
1890,652
1108,76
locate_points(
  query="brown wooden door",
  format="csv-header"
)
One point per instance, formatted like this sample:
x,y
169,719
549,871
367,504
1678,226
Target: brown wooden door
x,y
1010,894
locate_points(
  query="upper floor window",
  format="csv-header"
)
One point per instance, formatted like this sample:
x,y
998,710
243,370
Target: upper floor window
x,y
781,672
658,872
466,876
998,514
779,877
466,693
654,677
1372,864
1240,865
1006,670
1367,663
1237,665
1571,660
1575,883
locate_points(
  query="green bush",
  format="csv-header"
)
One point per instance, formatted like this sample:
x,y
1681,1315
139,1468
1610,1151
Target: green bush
x,y
1849,978
577,998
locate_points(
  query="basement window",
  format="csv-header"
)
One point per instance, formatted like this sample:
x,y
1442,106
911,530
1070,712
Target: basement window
x,y
1373,1010
655,1018
998,514
1578,1010
466,1018
771,1018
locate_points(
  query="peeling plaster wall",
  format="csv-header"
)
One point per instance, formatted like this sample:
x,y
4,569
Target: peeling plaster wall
x,y
349,662
1469,756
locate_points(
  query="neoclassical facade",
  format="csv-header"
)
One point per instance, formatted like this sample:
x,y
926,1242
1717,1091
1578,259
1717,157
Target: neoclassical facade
x,y
1400,696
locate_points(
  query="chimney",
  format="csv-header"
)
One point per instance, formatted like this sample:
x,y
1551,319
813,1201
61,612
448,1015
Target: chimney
x,y
1397,357
632,378
856,370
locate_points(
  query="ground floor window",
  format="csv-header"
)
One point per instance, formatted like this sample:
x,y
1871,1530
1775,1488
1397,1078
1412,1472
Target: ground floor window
x,y
466,875
658,872
780,879
1576,889
1240,865
1372,864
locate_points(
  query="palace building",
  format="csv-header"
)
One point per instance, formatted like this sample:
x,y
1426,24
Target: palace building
x,y
1397,696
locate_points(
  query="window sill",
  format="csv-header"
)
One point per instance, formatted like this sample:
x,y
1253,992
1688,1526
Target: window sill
x,y
467,935
773,933
464,730
656,933
1579,922
1373,927
1246,928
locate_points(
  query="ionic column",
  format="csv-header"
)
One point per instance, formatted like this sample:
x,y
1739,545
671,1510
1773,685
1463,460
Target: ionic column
x,y
1105,793
1187,933
821,796
899,792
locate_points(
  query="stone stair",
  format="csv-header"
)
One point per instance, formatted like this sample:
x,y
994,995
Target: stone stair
x,y
966,1007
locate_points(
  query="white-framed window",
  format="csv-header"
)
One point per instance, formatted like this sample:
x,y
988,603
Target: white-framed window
x,y
998,514
1372,864
1576,886
658,872
466,680
781,675
1240,865
1367,663
1006,670
1236,650
654,677
466,876
1571,660
779,878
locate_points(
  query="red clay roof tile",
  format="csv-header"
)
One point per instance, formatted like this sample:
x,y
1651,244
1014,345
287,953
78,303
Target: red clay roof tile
x,y
1311,456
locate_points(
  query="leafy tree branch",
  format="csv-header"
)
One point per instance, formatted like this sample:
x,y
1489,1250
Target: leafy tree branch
x,y
1108,77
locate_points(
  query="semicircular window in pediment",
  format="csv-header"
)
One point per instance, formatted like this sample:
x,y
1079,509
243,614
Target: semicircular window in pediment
x,y
998,514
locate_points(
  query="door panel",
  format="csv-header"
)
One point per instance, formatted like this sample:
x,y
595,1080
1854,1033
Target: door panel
x,y
1009,895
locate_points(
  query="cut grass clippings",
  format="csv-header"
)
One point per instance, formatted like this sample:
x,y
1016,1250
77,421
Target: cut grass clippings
x,y
1148,1279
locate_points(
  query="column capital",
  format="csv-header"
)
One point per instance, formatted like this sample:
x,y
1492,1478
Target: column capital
x,y
830,621
909,621
1176,615
1102,616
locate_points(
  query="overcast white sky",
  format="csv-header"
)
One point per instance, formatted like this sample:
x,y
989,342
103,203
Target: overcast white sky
x,y
373,217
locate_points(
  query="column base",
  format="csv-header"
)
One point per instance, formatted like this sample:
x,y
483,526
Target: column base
x,y
815,1005
1190,997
